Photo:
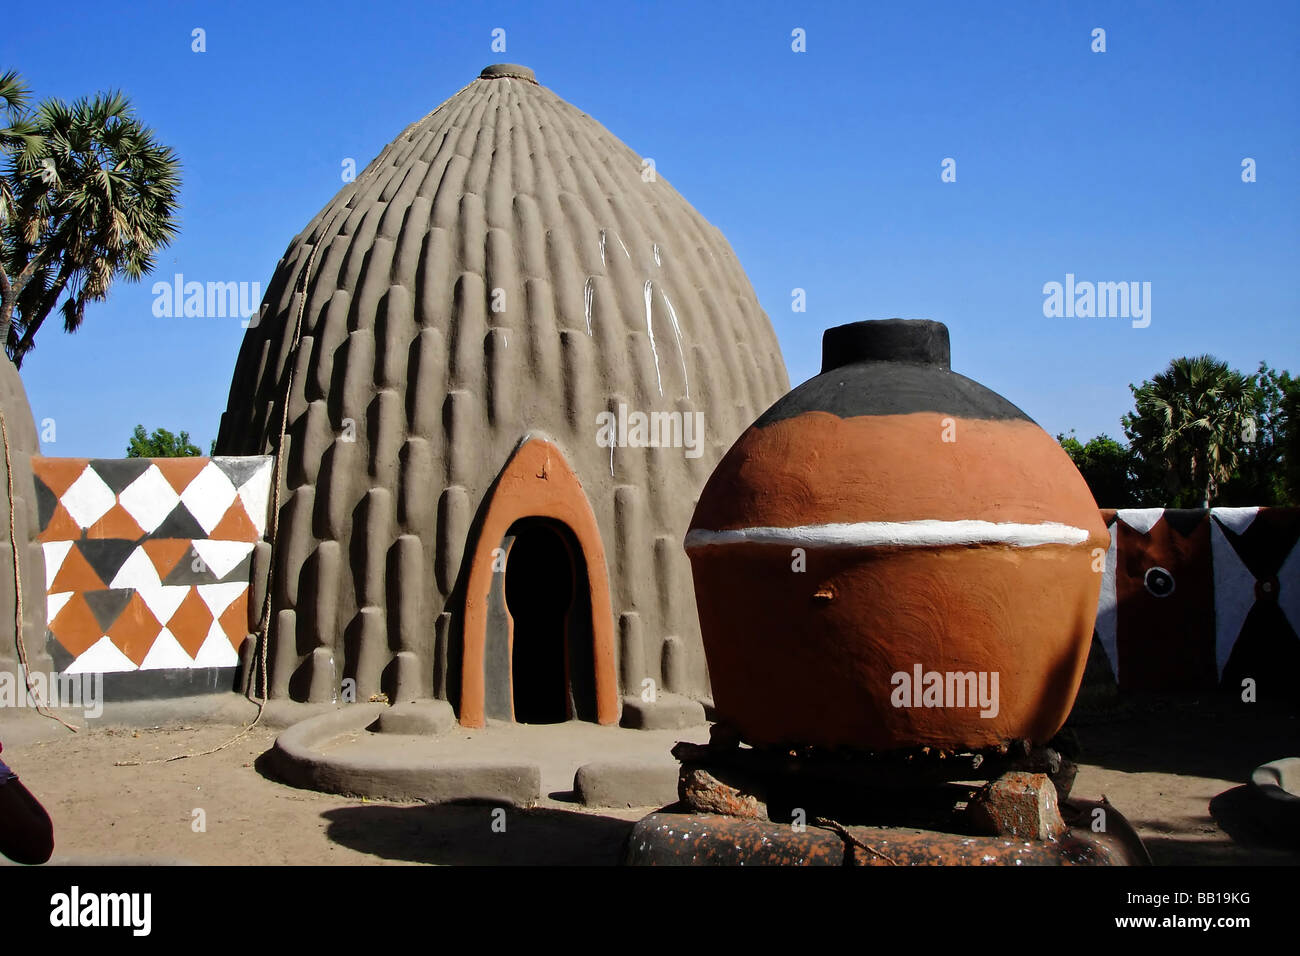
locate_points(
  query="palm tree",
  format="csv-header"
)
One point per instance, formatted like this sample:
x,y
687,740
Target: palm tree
x,y
94,199
21,145
1190,421
18,136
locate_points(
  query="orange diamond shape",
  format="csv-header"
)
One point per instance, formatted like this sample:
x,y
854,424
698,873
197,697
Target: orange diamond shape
x,y
165,553
191,622
59,474
116,523
235,524
62,526
75,626
135,629
76,574
179,472
234,620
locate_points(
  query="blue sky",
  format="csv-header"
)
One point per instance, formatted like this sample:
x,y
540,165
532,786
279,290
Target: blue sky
x,y
822,168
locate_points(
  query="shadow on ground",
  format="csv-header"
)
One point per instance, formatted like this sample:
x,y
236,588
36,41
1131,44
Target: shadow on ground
x,y
1202,735
1171,851
487,834
1205,736
1234,835
1254,821
1211,736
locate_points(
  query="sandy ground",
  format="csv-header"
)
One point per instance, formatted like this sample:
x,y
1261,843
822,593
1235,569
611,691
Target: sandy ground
x,y
1174,768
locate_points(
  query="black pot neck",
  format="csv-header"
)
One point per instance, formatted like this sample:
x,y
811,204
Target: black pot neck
x,y
913,341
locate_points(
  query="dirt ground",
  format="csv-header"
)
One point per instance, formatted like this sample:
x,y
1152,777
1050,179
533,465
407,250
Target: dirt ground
x,y
1175,768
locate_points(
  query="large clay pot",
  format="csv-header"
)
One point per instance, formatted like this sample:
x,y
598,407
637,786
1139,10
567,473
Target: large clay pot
x,y
883,523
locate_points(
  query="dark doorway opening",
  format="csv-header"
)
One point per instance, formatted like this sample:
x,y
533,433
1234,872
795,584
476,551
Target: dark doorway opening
x,y
542,575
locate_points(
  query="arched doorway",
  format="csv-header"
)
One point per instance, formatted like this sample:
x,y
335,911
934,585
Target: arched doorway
x,y
549,623
538,638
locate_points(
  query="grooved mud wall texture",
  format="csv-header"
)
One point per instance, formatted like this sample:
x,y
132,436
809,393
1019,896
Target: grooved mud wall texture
x,y
1193,599
21,430
506,265
148,562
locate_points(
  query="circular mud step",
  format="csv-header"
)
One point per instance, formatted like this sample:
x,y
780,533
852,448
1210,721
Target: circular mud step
x,y
336,753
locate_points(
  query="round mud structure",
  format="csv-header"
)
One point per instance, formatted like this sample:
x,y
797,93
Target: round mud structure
x,y
469,336
894,556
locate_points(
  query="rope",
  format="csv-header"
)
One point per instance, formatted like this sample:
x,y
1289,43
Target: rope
x,y
264,623
18,586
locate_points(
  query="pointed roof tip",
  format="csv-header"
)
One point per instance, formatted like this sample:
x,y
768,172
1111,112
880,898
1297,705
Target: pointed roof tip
x,y
514,70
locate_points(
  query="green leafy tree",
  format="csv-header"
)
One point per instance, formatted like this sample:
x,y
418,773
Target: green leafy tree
x,y
1290,443
1265,473
19,140
161,444
1108,468
1187,427
20,148
88,196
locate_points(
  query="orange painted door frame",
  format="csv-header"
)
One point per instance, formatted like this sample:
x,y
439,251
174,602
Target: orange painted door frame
x,y
537,482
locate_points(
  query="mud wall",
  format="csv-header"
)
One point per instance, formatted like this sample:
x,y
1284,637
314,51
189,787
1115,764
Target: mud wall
x,y
1195,599
148,564
20,431
154,573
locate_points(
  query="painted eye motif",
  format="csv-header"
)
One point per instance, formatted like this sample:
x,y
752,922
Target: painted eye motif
x,y
1159,582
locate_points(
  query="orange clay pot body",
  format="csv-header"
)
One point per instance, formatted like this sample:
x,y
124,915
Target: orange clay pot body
x,y
892,557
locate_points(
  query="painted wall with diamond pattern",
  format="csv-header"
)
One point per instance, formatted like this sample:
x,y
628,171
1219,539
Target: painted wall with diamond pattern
x,y
1194,599
148,562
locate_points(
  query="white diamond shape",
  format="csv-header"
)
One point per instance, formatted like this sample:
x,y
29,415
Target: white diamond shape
x,y
255,493
208,496
1107,611
221,556
149,499
1140,520
1234,594
102,657
1288,588
54,604
137,571
163,600
1236,520
55,552
166,652
218,597
88,498
216,650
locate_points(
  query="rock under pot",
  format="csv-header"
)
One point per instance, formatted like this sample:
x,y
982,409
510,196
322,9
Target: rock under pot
x,y
894,556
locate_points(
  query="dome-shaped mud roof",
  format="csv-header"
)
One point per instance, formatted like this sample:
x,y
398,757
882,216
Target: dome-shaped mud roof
x,y
505,268
507,187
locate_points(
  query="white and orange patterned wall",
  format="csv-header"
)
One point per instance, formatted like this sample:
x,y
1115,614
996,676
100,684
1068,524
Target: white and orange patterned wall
x,y
1194,599
148,561
148,565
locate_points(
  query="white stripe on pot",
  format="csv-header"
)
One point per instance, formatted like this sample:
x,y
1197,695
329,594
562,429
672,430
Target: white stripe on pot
x,y
925,533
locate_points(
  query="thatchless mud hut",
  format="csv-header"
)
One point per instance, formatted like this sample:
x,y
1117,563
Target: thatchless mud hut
x,y
472,340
